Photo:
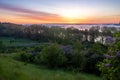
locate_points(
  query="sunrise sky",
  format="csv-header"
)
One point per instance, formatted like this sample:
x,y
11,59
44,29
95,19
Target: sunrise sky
x,y
59,11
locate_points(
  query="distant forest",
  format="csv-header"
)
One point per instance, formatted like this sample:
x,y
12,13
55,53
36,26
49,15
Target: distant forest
x,y
56,34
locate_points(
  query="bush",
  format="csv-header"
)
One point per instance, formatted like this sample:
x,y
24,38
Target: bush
x,y
97,48
90,64
52,56
38,48
110,67
93,57
23,56
77,61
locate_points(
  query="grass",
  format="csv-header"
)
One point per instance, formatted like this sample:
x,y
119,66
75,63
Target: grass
x,y
9,41
11,69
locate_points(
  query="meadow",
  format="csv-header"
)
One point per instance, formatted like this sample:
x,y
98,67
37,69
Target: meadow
x,y
11,41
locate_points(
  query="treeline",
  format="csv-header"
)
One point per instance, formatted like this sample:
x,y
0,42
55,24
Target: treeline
x,y
55,34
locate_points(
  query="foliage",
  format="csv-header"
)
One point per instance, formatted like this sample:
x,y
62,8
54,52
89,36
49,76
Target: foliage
x,y
77,61
23,56
52,56
97,48
11,69
77,58
110,67
93,56
54,34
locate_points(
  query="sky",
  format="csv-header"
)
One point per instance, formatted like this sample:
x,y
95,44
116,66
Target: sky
x,y
59,11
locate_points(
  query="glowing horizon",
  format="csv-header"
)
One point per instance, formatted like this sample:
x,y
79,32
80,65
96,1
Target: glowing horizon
x,y
61,11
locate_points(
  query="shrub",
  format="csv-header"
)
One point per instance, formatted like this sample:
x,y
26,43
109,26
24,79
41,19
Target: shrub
x,y
38,48
78,61
52,56
97,48
23,56
90,64
93,57
110,67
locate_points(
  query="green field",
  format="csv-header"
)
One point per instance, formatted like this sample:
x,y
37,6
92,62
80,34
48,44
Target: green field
x,y
9,41
11,69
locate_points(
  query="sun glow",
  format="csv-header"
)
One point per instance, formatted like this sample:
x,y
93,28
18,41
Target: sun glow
x,y
72,13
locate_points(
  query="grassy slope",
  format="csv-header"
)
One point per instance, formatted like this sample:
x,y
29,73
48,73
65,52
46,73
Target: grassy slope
x,y
11,69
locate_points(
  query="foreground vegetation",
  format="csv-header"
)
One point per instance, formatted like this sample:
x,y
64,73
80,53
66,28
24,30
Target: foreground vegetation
x,y
11,69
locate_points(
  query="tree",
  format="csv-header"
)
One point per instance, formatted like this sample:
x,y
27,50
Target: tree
x,y
110,66
77,59
93,32
52,56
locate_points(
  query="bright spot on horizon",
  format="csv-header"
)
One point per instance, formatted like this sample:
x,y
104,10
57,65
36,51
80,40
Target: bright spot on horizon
x,y
70,13
74,13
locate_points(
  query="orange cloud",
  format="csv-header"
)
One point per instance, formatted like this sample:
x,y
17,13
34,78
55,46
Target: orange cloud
x,y
29,15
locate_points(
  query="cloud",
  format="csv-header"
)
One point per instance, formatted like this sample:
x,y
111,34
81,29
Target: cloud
x,y
31,14
26,11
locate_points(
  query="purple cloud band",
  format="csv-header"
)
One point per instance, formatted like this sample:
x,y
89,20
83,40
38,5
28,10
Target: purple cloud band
x,y
32,14
27,11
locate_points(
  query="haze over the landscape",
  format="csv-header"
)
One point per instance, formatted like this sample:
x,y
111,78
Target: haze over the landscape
x,y
59,11
59,39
